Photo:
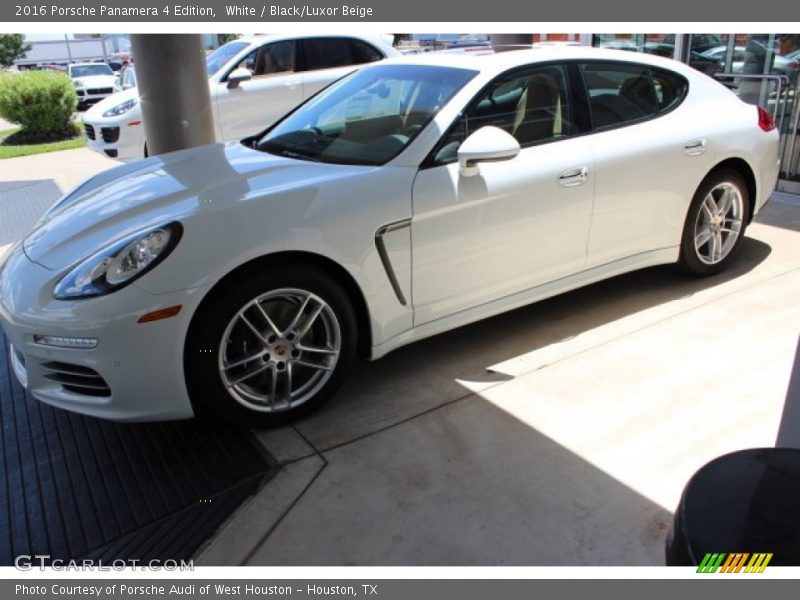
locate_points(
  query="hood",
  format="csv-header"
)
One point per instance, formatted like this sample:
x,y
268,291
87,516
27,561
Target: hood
x,y
172,187
95,81
111,101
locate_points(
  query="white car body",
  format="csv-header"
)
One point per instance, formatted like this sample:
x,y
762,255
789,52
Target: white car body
x,y
92,88
457,246
238,112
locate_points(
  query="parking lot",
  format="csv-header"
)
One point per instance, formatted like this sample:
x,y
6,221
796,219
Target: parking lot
x,y
560,433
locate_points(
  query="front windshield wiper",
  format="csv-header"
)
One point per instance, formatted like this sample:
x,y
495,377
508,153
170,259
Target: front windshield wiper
x,y
298,155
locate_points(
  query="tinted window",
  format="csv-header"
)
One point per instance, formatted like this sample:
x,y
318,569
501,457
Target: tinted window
x,y
533,106
364,53
327,53
618,93
670,88
366,118
269,59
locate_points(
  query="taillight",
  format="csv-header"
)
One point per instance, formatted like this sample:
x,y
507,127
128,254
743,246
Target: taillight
x,y
765,120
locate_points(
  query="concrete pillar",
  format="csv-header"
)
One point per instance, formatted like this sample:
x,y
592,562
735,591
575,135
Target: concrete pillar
x,y
173,91
506,41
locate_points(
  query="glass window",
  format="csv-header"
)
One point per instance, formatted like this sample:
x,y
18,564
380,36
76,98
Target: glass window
x,y
670,88
89,70
533,106
327,53
660,44
364,53
220,57
618,93
368,117
269,59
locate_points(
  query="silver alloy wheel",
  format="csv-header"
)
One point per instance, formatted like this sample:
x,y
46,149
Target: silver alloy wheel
x,y
279,350
718,223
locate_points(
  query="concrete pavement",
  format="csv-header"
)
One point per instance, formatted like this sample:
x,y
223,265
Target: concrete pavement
x,y
560,433
29,185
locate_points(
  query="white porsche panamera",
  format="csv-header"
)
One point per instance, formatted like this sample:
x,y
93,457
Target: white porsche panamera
x,y
408,198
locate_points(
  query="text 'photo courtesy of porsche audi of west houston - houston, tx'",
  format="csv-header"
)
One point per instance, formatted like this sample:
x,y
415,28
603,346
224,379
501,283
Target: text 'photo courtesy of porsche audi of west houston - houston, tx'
x,y
410,197
253,82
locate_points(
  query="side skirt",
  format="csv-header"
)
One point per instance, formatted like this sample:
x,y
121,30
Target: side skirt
x,y
541,292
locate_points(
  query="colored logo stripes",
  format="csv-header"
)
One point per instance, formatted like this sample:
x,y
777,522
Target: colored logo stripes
x,y
734,562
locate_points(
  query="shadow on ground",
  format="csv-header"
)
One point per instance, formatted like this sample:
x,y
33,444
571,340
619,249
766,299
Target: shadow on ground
x,y
425,375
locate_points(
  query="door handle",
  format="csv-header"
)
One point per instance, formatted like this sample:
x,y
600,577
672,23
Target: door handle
x,y
695,147
573,177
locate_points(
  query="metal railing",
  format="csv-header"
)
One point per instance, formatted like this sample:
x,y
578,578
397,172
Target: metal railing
x,y
783,95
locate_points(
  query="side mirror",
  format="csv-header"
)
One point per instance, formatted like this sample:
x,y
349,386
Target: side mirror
x,y
237,76
488,144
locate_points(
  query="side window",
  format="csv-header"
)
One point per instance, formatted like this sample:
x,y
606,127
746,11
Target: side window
x,y
670,89
362,52
533,106
618,93
327,53
269,59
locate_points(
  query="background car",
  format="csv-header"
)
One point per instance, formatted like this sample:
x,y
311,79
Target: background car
x,y
413,196
253,81
93,82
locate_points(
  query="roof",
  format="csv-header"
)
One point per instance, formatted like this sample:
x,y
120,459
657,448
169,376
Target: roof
x,y
490,61
260,39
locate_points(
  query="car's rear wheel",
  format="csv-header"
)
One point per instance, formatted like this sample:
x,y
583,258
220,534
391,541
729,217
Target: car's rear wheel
x,y
270,348
715,223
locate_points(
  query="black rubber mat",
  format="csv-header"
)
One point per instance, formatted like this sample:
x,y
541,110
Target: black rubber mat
x,y
74,487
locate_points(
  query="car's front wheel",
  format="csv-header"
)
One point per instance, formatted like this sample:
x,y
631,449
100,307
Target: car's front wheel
x,y
715,223
270,347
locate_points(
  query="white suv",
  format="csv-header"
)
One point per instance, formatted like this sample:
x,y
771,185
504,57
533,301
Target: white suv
x,y
93,82
254,81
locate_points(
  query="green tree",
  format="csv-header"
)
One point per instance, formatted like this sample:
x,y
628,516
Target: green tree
x,y
12,47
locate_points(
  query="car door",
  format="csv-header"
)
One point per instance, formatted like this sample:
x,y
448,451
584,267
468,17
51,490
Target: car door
x,y
650,154
274,89
323,60
519,222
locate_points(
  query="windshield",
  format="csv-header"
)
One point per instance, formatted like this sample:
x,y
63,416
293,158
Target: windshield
x,y
367,118
220,57
89,70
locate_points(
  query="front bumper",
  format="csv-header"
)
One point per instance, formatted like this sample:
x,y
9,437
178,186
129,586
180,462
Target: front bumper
x,y
141,365
89,98
122,139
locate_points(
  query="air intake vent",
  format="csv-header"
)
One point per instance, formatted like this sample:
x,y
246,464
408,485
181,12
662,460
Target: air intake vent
x,y
110,134
89,131
77,379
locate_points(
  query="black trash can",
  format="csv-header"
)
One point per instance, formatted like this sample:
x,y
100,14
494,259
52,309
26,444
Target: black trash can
x,y
744,502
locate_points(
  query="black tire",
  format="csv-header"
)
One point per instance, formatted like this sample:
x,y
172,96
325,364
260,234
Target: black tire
x,y
690,259
210,396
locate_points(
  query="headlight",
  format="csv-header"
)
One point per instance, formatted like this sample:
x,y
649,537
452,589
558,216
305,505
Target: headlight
x,y
119,264
120,109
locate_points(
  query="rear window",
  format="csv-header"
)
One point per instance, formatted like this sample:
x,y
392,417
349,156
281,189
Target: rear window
x,y
621,93
328,53
670,89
